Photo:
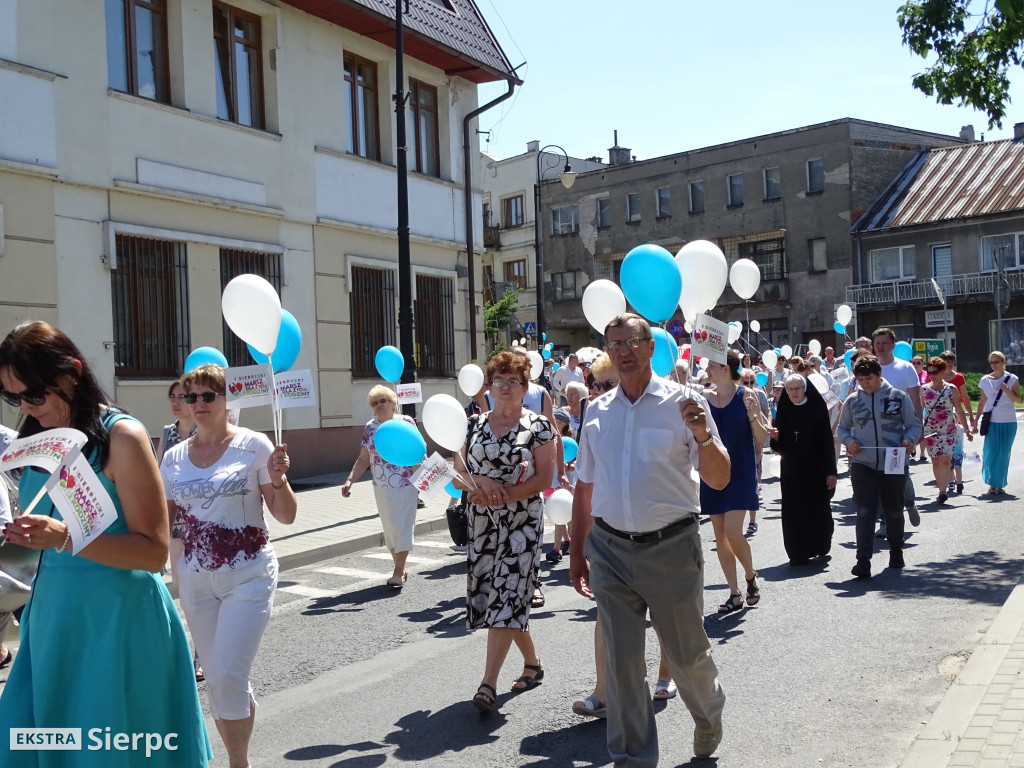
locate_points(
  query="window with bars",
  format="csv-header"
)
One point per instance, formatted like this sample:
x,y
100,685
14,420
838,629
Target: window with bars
x,y
435,325
774,333
149,293
423,113
137,48
769,255
232,264
361,107
373,316
239,66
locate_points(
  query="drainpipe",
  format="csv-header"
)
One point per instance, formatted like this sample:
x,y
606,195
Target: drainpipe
x,y
468,194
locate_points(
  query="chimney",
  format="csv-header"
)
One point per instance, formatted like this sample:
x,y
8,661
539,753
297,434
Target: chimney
x,y
532,146
1018,131
967,133
618,155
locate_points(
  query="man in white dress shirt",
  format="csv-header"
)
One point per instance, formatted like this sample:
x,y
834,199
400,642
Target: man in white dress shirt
x,y
635,541
569,372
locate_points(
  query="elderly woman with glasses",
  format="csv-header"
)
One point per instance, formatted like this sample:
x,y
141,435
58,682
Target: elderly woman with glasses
x,y
394,493
1002,389
942,410
219,480
510,453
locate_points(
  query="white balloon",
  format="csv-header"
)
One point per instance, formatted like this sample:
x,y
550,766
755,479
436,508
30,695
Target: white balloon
x,y
471,379
515,342
252,309
815,346
769,358
704,363
536,364
819,382
688,326
444,419
705,272
549,346
844,314
755,326
558,507
602,301
522,341
787,351
744,277
734,333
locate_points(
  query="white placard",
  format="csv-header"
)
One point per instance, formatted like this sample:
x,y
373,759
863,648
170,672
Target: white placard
x,y
409,393
433,475
46,450
83,502
710,339
249,385
895,459
295,389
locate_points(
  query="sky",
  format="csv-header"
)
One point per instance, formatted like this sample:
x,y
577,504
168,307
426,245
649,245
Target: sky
x,y
676,75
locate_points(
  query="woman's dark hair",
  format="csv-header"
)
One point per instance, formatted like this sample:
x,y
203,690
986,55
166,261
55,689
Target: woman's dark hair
x,y
732,359
170,389
38,354
509,362
867,365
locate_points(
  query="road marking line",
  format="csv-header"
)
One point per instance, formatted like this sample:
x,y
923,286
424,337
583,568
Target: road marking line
x,y
434,544
304,591
411,559
354,573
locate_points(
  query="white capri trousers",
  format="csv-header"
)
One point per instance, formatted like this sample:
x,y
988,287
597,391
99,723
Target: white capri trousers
x,y
227,612
397,510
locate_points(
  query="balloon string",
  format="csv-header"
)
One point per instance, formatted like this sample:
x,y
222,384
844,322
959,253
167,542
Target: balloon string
x,y
469,475
276,405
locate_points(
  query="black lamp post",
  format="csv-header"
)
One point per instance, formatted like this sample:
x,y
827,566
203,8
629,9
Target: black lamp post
x,y
405,341
568,178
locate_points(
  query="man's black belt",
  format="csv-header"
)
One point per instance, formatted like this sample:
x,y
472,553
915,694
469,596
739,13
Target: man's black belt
x,y
646,538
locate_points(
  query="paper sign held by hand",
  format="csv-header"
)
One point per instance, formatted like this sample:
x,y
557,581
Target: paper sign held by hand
x,y
409,393
895,459
249,385
433,475
82,501
46,450
295,389
710,339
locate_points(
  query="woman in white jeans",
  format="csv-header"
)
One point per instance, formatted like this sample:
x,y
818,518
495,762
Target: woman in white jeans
x,y
218,480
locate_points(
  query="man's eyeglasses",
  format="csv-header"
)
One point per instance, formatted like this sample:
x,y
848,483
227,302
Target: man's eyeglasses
x,y
603,386
632,342
510,383
15,399
207,397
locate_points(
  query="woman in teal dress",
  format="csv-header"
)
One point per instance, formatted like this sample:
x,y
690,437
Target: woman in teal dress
x,y
102,647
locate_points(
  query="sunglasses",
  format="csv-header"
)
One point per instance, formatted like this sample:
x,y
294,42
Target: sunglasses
x,y
207,397
603,386
382,401
930,372
15,399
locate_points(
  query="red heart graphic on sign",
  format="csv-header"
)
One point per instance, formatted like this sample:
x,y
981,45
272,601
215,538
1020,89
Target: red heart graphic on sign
x,y
64,473
71,482
235,388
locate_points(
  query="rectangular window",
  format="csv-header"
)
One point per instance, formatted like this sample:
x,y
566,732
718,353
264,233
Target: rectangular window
x,y
150,301
373,316
238,63
889,264
664,202
633,208
734,184
565,219
512,211
817,260
772,184
1008,249
774,331
232,264
361,107
434,310
566,286
696,197
816,175
515,272
137,48
423,104
604,213
770,257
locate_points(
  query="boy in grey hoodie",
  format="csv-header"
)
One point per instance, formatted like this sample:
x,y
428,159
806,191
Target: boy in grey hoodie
x,y
875,417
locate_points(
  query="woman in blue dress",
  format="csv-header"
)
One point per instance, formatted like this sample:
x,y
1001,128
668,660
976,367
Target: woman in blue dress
x,y
738,417
102,647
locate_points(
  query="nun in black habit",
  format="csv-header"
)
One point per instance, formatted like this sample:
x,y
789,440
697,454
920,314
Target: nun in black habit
x,y
803,436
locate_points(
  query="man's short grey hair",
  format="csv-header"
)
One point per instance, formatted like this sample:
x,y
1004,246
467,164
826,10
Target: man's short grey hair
x,y
579,389
683,366
625,319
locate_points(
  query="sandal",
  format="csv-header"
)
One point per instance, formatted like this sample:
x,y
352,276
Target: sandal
x,y
483,700
398,583
537,601
526,682
751,529
665,689
590,707
753,591
734,603
197,667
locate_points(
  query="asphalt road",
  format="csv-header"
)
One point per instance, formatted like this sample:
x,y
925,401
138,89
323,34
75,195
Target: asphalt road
x,y
826,671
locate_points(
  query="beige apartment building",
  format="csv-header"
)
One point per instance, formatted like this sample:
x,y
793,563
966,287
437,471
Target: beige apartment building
x,y
151,150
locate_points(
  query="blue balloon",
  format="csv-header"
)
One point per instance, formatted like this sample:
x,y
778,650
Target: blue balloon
x,y
570,448
205,356
839,327
555,367
762,379
651,281
903,351
665,352
289,341
546,354
778,350
451,490
390,363
543,337
398,442
847,357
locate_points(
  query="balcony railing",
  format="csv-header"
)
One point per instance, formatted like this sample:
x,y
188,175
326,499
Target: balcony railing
x,y
492,237
977,284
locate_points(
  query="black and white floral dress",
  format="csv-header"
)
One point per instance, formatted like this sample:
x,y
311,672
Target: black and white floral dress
x,y
504,541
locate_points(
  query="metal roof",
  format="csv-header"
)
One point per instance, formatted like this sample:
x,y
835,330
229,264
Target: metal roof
x,y
951,183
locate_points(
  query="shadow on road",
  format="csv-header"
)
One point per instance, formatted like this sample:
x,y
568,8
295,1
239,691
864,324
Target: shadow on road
x,y
586,742
321,751
348,602
424,735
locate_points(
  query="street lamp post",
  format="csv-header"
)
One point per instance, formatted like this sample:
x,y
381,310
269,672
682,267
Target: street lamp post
x,y
568,178
405,335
